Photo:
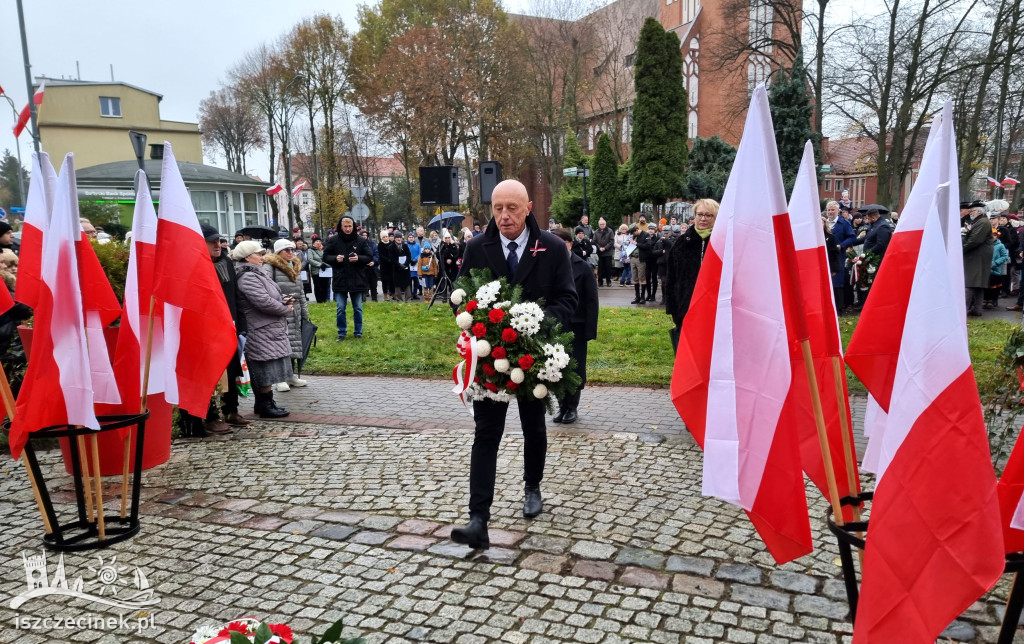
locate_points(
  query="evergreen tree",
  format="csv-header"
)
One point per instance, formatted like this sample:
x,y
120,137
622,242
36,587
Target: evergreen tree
x,y
9,191
707,171
792,116
567,204
659,117
604,194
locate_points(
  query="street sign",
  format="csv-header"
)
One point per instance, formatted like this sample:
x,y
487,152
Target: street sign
x,y
359,192
3,214
17,211
360,212
825,169
575,172
569,172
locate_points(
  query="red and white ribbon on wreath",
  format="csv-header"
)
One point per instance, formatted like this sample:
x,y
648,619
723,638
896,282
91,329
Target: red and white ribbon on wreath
x,y
855,273
464,373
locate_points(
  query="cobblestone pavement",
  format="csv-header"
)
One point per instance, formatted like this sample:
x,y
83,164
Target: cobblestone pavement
x,y
347,512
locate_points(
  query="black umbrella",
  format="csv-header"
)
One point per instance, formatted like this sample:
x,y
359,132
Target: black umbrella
x,y
882,210
308,338
257,232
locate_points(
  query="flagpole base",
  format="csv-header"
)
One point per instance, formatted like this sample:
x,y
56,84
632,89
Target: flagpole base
x,y
83,533
848,539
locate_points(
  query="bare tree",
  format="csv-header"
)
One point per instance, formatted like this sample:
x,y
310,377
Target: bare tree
x,y
231,125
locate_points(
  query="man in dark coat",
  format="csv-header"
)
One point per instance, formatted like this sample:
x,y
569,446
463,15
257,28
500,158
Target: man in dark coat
x,y
348,255
979,244
514,247
877,239
604,239
584,326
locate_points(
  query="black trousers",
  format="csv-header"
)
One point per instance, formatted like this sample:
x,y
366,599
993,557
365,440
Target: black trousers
x,y
387,280
229,399
604,269
490,426
579,351
321,288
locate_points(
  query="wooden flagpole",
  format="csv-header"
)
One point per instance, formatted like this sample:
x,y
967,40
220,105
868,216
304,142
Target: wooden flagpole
x,y
8,399
849,450
819,421
86,479
97,480
142,405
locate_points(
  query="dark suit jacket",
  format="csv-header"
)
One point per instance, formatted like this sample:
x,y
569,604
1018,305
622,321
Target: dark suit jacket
x,y
543,274
584,318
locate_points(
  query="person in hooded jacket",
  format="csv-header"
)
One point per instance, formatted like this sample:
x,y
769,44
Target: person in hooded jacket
x,y
349,255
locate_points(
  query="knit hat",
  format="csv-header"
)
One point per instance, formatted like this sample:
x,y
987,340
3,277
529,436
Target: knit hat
x,y
4,228
283,244
246,248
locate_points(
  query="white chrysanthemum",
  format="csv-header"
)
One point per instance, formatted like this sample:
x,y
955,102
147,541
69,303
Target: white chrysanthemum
x,y
204,634
464,320
476,392
526,318
487,294
458,295
540,391
483,347
518,376
502,365
502,305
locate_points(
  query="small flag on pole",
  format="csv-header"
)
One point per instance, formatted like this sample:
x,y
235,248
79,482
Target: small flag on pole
x,y
1011,181
298,188
993,182
274,189
26,112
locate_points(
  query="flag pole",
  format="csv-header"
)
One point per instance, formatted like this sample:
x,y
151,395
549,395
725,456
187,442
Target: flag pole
x,y
86,479
8,399
786,249
849,450
142,404
97,480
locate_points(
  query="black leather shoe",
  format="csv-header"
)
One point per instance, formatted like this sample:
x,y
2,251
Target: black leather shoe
x,y
559,416
533,505
570,417
473,534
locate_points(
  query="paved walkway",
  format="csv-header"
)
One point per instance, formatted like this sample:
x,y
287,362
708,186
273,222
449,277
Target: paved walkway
x,y
345,510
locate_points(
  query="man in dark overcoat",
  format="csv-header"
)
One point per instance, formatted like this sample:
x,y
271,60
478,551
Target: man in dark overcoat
x,y
514,247
584,326
979,244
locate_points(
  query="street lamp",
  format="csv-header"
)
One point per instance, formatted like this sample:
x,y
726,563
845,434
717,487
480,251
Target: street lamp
x,y
17,146
286,127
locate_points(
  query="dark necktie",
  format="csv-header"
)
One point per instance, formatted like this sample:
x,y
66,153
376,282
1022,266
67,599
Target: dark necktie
x,y
513,259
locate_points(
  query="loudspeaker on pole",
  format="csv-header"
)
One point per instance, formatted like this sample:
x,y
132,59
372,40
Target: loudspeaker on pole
x,y
490,176
439,185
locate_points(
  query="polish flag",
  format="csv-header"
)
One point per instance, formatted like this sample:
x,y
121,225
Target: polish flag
x,y
1011,499
993,182
26,112
58,388
129,358
274,189
872,354
818,309
732,372
1011,181
198,333
297,189
101,308
935,543
37,219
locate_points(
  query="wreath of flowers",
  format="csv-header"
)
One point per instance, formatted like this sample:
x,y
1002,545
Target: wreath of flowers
x,y
252,631
862,267
519,351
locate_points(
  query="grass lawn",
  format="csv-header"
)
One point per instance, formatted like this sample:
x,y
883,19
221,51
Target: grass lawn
x,y
632,346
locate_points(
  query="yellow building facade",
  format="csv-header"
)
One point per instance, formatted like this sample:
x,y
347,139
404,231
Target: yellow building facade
x,y
92,120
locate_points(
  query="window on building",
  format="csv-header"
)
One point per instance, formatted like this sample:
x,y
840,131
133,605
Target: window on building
x,y
629,59
110,106
828,185
205,203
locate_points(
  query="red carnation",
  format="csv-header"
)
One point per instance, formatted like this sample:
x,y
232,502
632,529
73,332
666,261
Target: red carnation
x,y
479,330
509,335
491,387
240,627
488,369
470,306
511,386
499,353
282,631
495,315
526,362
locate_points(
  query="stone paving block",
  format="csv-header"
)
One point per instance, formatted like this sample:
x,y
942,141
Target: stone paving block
x,y
503,556
451,549
960,631
411,542
173,497
552,545
820,607
202,499
370,537
227,517
633,576
264,523
505,538
380,522
739,572
445,531
593,550
237,505
301,512
334,532
544,562
640,557
693,565
417,526
792,581
701,586
756,596
305,526
595,570
334,516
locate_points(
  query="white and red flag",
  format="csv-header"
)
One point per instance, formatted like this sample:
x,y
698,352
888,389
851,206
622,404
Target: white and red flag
x,y
129,358
817,307
58,388
992,182
732,372
37,219
1010,180
198,333
934,545
872,353
26,112
297,189
274,189
1011,499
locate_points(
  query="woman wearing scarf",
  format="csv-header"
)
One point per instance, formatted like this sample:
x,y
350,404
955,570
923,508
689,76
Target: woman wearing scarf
x,y
684,261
